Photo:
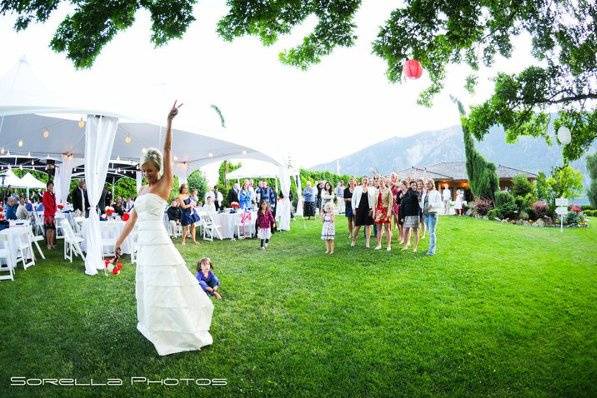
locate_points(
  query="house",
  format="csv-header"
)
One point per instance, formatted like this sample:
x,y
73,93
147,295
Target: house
x,y
453,174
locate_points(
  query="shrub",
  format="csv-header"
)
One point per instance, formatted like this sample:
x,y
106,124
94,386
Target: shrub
x,y
575,208
573,218
521,186
586,207
540,209
523,215
482,206
590,213
494,214
504,201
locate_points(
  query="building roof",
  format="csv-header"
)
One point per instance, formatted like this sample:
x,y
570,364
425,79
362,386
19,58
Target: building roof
x,y
457,171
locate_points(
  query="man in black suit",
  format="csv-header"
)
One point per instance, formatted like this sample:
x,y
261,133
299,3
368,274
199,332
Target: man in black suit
x,y
233,194
80,199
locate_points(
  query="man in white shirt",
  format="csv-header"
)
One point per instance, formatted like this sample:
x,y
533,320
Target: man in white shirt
x,y
446,197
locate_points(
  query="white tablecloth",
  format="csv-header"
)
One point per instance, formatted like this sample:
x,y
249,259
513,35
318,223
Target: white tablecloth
x,y
16,236
229,221
110,230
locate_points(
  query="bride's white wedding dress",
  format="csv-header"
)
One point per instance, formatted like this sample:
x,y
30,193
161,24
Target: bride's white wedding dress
x,y
173,311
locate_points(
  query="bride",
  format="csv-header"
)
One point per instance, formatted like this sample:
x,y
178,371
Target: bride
x,y
173,312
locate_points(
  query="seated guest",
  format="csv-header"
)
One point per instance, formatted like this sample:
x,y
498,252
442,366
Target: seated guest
x,y
207,279
22,213
209,205
11,208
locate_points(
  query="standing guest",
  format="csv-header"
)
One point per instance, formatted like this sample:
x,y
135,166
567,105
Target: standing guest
x,y
458,202
10,210
432,204
383,213
402,189
340,197
49,202
188,218
218,199
409,209
265,222
309,200
395,188
233,194
208,281
420,192
320,186
327,195
364,200
347,197
253,194
22,213
446,196
245,197
80,200
328,230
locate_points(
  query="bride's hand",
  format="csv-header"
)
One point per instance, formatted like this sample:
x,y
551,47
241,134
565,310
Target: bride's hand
x,y
173,111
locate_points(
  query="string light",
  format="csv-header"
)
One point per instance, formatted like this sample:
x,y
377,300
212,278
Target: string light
x,y
2,151
45,133
20,143
128,139
81,123
175,158
144,150
211,155
244,152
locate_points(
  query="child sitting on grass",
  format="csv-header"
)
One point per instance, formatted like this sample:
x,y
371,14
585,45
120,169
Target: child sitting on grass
x,y
208,281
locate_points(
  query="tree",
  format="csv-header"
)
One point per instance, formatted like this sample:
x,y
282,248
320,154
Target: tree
x,y
566,182
592,168
564,42
482,175
196,180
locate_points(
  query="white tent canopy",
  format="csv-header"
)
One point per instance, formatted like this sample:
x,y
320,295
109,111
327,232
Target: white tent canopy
x,y
10,179
32,182
258,169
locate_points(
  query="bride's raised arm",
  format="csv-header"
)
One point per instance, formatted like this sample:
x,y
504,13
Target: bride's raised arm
x,y
166,180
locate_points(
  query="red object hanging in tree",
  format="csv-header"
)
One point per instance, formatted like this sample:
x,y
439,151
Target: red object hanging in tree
x,y
413,69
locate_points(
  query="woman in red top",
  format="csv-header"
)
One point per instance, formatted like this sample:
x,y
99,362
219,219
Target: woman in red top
x,y
49,202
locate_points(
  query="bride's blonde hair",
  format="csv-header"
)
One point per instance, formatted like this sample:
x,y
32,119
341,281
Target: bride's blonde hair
x,y
154,156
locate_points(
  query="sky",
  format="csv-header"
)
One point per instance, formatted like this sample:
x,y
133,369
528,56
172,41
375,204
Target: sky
x,y
335,108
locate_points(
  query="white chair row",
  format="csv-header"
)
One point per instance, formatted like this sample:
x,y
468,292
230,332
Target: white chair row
x,y
72,242
24,252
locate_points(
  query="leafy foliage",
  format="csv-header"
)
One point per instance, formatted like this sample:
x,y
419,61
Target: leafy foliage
x,y
592,168
521,185
482,206
566,182
196,180
482,175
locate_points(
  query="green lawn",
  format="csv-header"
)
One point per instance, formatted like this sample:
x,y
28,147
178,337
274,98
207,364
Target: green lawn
x,y
501,310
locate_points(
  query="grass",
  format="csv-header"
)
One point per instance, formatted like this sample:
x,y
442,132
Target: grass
x,y
501,310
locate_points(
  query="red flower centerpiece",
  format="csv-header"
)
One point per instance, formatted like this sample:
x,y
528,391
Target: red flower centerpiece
x,y
60,206
234,205
109,211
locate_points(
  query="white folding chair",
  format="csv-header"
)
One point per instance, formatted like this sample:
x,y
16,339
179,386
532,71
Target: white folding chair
x,y
24,249
72,243
210,228
34,239
109,235
60,227
5,260
244,229
39,223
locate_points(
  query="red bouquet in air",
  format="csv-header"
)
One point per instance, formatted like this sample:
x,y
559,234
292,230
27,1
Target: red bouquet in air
x,y
112,266
125,217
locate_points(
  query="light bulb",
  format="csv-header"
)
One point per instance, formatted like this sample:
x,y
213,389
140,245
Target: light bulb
x,y
81,123
2,151
45,133
21,167
175,158
128,139
20,143
211,155
244,152
144,150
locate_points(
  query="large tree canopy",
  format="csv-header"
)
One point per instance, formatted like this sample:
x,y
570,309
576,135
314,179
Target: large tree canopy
x,y
563,32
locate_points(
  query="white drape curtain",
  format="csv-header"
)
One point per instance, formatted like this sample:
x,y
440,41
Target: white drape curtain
x,y
62,178
283,208
99,140
139,180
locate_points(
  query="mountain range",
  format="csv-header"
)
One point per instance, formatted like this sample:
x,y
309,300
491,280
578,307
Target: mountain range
x,y
447,145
